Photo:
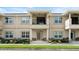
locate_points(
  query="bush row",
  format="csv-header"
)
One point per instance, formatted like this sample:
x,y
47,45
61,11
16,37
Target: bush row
x,y
16,41
64,40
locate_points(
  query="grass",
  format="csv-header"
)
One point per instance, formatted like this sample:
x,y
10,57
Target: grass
x,y
40,46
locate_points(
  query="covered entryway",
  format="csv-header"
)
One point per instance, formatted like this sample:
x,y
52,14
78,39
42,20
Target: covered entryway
x,y
39,34
74,34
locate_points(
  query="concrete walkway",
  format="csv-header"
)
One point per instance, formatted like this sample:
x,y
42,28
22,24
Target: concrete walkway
x,y
47,43
39,42
75,42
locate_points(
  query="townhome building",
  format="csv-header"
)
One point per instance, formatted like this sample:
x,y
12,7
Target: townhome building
x,y
39,25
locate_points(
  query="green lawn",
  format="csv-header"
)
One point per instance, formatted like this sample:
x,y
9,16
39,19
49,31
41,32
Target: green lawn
x,y
41,46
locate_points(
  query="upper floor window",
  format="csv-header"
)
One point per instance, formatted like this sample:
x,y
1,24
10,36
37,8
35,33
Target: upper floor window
x,y
75,20
8,20
25,20
9,34
58,35
58,19
25,34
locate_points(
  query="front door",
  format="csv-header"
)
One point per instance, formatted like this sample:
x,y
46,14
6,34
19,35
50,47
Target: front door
x,y
73,35
38,35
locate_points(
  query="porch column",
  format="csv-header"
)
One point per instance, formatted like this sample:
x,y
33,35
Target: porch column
x,y
31,19
47,20
69,28
47,34
30,34
69,35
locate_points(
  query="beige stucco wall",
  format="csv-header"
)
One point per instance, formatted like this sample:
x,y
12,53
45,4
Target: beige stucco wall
x,y
58,27
16,23
17,27
16,32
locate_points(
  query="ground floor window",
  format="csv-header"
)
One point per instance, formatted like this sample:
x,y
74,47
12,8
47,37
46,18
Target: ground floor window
x,y
58,35
25,35
9,34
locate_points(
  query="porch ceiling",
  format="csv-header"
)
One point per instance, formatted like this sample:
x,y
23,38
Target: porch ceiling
x,y
37,12
71,12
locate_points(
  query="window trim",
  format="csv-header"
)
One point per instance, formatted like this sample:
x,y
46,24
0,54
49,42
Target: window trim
x,y
59,18
57,33
10,20
26,19
10,33
25,34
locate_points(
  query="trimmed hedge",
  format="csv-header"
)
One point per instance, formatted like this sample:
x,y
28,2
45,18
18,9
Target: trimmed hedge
x,y
64,40
44,39
77,39
16,41
34,39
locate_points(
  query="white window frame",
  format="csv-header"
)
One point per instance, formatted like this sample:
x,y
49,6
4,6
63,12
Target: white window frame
x,y
26,33
58,33
9,20
9,34
59,19
25,20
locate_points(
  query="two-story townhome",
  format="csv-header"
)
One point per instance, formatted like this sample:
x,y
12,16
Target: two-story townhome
x,y
39,25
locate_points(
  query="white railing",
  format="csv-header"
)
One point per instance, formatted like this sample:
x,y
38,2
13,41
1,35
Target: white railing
x,y
39,26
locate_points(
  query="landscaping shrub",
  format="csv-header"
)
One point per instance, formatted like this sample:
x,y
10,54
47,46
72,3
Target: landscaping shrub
x,y
34,39
77,39
22,41
65,40
5,41
44,39
15,41
52,40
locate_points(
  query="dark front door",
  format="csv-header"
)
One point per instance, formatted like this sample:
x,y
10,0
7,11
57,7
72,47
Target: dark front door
x,y
41,20
73,35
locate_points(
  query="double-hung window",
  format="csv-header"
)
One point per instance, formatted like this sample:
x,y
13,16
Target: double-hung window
x,y
25,20
57,20
8,34
25,34
8,20
58,35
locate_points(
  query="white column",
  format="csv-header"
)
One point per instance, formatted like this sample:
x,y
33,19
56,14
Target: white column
x,y
30,19
69,35
47,20
69,28
30,34
47,34
69,19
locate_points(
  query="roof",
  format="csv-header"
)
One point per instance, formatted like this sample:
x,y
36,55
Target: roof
x,y
26,9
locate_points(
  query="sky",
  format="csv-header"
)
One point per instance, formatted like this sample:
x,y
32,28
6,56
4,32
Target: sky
x,y
26,9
